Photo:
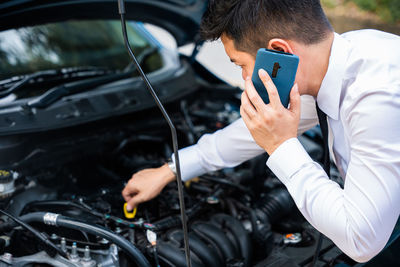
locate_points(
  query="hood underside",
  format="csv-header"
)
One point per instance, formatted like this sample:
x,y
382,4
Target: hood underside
x,y
180,17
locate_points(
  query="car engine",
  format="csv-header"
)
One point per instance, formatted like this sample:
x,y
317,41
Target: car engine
x,y
68,189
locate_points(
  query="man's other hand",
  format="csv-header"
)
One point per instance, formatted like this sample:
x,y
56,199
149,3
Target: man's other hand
x,y
146,185
272,124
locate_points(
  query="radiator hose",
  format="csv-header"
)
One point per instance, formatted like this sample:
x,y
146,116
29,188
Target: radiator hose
x,y
66,222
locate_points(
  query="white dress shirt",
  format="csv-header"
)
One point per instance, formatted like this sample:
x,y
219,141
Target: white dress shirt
x,y
360,94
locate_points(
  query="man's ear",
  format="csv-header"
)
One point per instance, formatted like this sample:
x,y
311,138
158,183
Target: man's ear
x,y
280,45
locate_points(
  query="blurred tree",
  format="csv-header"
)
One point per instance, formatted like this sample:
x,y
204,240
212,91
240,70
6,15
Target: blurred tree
x,y
389,10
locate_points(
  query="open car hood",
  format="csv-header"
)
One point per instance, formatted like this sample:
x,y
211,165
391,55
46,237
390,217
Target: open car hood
x,y
180,17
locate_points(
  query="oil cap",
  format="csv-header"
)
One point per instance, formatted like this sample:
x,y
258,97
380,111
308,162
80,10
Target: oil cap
x,y
303,239
7,187
5,177
129,214
294,238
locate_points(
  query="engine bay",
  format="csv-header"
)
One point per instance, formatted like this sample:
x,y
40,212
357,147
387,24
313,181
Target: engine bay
x,y
69,186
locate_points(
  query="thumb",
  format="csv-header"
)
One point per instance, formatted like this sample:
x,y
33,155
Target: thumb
x,y
295,101
133,202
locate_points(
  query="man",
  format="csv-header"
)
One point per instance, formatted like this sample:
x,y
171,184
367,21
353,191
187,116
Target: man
x,y
355,80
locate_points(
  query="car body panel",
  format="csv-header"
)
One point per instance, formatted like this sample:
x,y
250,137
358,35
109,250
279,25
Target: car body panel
x,y
180,17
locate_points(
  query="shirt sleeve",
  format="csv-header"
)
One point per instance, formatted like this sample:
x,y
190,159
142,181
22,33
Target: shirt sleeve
x,y
225,148
232,145
360,218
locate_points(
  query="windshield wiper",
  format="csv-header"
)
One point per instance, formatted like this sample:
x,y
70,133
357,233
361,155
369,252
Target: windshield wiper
x,y
66,74
62,74
60,91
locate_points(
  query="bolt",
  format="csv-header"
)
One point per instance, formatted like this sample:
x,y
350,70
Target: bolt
x,y
103,241
53,236
86,256
63,244
114,252
113,249
74,251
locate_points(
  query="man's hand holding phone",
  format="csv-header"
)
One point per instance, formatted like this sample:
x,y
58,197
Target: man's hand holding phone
x,y
270,124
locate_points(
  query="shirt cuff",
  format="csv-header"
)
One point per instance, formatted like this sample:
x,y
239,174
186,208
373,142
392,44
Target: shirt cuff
x,y
287,159
189,162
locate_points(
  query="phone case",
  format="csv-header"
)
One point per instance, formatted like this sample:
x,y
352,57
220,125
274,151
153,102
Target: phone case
x,y
281,67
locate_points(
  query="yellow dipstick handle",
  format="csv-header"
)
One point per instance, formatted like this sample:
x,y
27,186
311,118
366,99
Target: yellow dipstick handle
x,y
129,214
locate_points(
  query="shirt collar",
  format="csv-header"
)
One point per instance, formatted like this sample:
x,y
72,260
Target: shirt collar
x,y
328,97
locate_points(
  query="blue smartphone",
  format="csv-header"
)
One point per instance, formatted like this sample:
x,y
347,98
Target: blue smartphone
x,y
281,67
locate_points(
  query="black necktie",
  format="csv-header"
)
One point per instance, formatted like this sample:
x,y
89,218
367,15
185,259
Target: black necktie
x,y
324,129
323,123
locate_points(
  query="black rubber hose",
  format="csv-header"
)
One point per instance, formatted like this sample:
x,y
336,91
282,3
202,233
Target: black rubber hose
x,y
46,205
51,248
276,204
27,218
240,234
62,221
124,244
261,233
8,226
217,236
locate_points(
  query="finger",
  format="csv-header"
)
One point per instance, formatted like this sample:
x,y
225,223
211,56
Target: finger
x,y
253,96
133,203
247,106
128,192
273,95
127,196
295,100
245,117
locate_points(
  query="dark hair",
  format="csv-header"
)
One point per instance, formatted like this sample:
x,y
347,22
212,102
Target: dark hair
x,y
252,23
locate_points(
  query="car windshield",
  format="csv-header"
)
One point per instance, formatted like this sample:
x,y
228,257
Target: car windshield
x,y
95,43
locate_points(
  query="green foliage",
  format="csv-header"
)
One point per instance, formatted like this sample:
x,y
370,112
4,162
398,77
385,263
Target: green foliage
x,y
394,7
328,3
389,10
370,5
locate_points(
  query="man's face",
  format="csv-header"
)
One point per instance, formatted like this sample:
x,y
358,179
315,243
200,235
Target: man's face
x,y
242,59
